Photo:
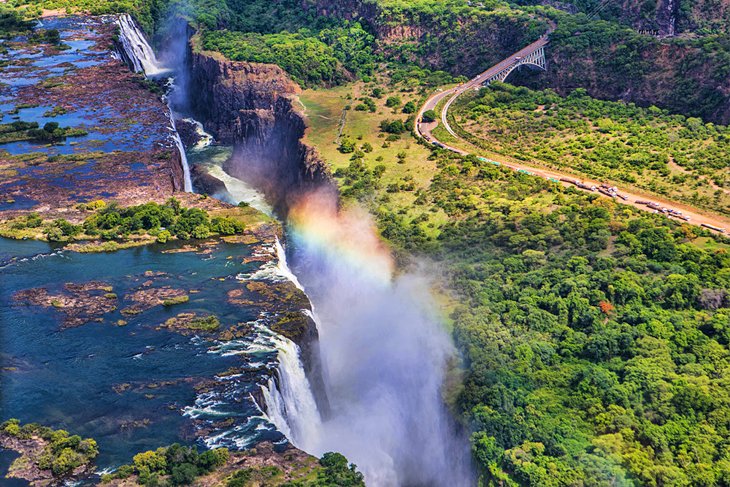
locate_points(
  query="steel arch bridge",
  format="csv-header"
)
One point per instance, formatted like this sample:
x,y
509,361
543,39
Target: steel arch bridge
x,y
533,58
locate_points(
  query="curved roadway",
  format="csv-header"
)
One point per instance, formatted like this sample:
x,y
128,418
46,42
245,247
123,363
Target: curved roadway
x,y
425,130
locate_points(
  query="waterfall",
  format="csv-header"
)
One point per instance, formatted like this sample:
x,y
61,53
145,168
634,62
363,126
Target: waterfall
x,y
140,57
137,51
283,267
672,18
205,138
290,404
187,180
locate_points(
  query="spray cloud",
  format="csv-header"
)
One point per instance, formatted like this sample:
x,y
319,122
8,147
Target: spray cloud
x,y
384,353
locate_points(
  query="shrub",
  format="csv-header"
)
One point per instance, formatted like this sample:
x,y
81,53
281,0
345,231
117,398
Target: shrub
x,y
163,236
184,474
346,146
429,116
226,226
393,102
393,126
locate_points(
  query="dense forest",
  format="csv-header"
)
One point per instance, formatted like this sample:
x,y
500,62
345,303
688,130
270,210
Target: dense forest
x,y
594,336
672,155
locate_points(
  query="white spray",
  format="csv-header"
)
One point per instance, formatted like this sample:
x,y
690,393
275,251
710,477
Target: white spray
x,y
384,353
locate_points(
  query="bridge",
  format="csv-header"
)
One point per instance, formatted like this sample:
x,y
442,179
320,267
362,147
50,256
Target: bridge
x,y
534,55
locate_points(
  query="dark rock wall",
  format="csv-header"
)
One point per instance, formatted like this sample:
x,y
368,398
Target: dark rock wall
x,y
252,106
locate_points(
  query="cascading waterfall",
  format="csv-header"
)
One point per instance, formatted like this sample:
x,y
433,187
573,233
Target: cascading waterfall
x,y
290,404
138,54
187,179
137,51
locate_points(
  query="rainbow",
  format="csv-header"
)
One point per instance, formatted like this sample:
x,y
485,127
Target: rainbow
x,y
347,236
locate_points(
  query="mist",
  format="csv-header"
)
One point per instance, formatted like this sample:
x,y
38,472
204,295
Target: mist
x,y
384,351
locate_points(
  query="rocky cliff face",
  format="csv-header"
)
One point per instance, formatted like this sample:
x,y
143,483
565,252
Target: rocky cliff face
x,y
252,106
670,74
460,44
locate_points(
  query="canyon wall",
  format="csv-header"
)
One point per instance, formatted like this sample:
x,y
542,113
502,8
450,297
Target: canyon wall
x,y
253,106
443,39
611,61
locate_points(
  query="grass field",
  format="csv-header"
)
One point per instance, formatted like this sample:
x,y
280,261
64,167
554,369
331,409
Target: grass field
x,y
324,109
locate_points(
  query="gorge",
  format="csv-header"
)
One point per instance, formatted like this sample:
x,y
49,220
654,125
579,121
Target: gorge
x,y
377,401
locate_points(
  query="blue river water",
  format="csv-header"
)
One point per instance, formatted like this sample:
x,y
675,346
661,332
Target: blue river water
x,y
103,381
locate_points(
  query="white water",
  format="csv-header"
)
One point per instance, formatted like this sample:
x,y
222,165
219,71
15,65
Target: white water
x,y
384,356
239,191
291,406
137,48
187,180
205,138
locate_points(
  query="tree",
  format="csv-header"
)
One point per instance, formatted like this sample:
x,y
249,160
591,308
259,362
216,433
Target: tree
x,y
393,102
337,473
346,146
183,474
428,116
409,107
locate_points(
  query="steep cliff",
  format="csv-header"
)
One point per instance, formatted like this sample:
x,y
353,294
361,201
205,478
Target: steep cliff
x,y
685,76
460,39
252,106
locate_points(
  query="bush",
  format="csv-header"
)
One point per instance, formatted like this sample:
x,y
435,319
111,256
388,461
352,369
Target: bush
x,y
183,474
409,107
347,146
226,226
393,126
393,102
163,236
429,116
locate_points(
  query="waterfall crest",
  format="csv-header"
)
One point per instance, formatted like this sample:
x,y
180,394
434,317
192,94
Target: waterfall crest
x,y
136,50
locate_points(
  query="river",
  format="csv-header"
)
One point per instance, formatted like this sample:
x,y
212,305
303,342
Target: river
x,y
383,349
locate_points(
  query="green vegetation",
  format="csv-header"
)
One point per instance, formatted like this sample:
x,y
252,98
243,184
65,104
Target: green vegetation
x,y
112,221
332,471
140,223
204,323
179,465
57,451
328,58
173,465
12,23
612,60
671,155
51,132
176,300
593,334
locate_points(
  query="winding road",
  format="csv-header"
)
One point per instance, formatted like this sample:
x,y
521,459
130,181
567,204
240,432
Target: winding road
x,y
671,209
